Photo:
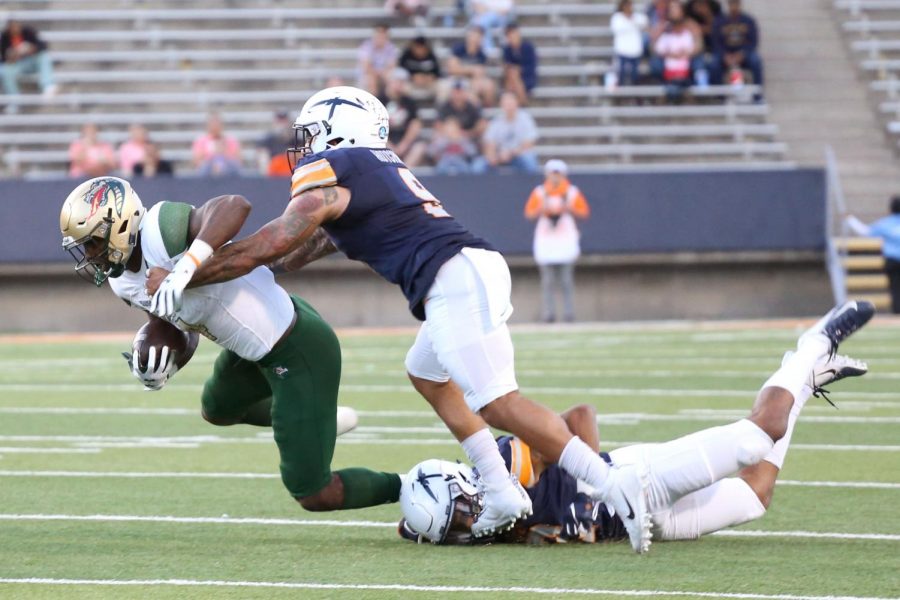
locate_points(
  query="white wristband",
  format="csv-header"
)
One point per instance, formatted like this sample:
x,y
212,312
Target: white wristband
x,y
198,252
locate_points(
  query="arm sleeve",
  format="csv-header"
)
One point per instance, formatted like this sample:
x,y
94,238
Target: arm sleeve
x,y
533,206
752,35
580,207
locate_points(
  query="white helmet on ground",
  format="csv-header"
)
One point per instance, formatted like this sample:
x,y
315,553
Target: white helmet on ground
x,y
340,117
107,211
440,500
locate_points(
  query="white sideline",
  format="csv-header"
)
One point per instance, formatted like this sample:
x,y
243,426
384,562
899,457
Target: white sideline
x,y
388,524
423,588
877,485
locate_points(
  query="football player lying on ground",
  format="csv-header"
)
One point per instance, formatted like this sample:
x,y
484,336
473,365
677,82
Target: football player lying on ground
x,y
350,188
692,488
280,364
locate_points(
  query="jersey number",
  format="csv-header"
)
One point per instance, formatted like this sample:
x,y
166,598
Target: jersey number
x,y
430,204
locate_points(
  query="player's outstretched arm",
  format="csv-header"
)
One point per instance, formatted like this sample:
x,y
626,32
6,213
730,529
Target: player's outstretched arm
x,y
317,246
276,239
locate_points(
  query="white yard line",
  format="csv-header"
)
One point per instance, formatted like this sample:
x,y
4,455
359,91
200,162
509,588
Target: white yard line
x,y
384,524
214,475
428,589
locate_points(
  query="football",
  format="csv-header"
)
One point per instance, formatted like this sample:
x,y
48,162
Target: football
x,y
160,333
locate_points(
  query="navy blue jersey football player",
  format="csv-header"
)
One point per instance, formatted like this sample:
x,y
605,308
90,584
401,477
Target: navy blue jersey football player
x,y
350,192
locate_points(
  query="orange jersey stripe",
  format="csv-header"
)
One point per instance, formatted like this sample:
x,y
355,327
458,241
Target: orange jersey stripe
x,y
313,175
520,465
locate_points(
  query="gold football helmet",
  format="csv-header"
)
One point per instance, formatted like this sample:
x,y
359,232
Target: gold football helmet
x,y
106,213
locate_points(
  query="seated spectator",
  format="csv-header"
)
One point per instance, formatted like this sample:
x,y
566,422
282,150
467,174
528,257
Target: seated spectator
x,y
491,16
23,52
469,60
423,67
735,39
703,14
520,64
215,153
460,106
271,149
628,30
657,21
376,58
139,156
451,149
89,156
675,49
403,118
510,138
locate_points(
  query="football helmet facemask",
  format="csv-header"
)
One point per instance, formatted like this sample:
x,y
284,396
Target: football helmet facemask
x,y
339,117
105,212
440,501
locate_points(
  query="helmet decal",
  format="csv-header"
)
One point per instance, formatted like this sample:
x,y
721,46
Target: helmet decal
x,y
383,132
335,102
423,481
98,195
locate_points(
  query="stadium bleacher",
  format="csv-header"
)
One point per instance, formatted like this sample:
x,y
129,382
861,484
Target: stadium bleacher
x,y
165,65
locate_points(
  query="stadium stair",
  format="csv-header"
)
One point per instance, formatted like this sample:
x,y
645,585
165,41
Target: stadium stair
x,y
864,267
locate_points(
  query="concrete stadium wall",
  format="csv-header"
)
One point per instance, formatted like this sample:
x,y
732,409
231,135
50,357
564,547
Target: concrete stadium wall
x,y
659,245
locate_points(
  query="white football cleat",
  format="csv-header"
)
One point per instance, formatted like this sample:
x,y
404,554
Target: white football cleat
x,y
626,492
347,420
830,370
501,508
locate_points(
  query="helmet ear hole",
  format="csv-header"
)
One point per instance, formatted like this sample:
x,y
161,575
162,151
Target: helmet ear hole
x,y
123,227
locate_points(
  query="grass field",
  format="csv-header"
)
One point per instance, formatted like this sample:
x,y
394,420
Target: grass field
x,y
110,492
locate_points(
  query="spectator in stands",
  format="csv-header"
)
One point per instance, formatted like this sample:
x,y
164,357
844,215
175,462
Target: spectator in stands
x,y
216,153
405,126
89,156
704,14
271,149
628,30
410,9
451,149
423,67
555,204
675,49
24,52
509,139
468,60
461,107
657,20
491,16
888,229
376,58
520,63
735,39
139,156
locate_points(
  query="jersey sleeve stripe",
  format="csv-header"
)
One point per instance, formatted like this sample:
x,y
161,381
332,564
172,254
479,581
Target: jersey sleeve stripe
x,y
521,465
317,174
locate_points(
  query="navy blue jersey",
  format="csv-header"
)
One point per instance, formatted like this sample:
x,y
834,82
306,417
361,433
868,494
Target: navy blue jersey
x,y
553,492
392,223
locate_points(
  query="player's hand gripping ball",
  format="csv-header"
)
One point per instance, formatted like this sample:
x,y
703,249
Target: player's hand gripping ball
x,y
154,353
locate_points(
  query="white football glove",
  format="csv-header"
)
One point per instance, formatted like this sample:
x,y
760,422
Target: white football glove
x,y
159,368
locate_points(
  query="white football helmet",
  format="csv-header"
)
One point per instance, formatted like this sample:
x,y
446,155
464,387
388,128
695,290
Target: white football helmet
x,y
340,117
108,211
440,500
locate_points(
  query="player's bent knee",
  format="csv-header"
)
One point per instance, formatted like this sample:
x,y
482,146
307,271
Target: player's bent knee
x,y
330,497
498,412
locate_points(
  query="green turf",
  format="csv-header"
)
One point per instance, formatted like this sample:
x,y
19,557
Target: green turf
x,y
648,383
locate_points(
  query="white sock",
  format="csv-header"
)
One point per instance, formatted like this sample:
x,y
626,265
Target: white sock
x,y
725,503
779,450
581,462
794,373
482,451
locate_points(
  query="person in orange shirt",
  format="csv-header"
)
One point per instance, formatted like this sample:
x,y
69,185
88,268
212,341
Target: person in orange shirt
x,y
555,205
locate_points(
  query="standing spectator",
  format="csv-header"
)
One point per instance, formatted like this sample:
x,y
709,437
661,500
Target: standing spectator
x,y
139,156
24,52
510,138
89,156
215,153
888,229
520,63
376,58
468,60
423,67
403,117
628,30
271,149
467,113
491,16
675,49
555,205
735,39
451,150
